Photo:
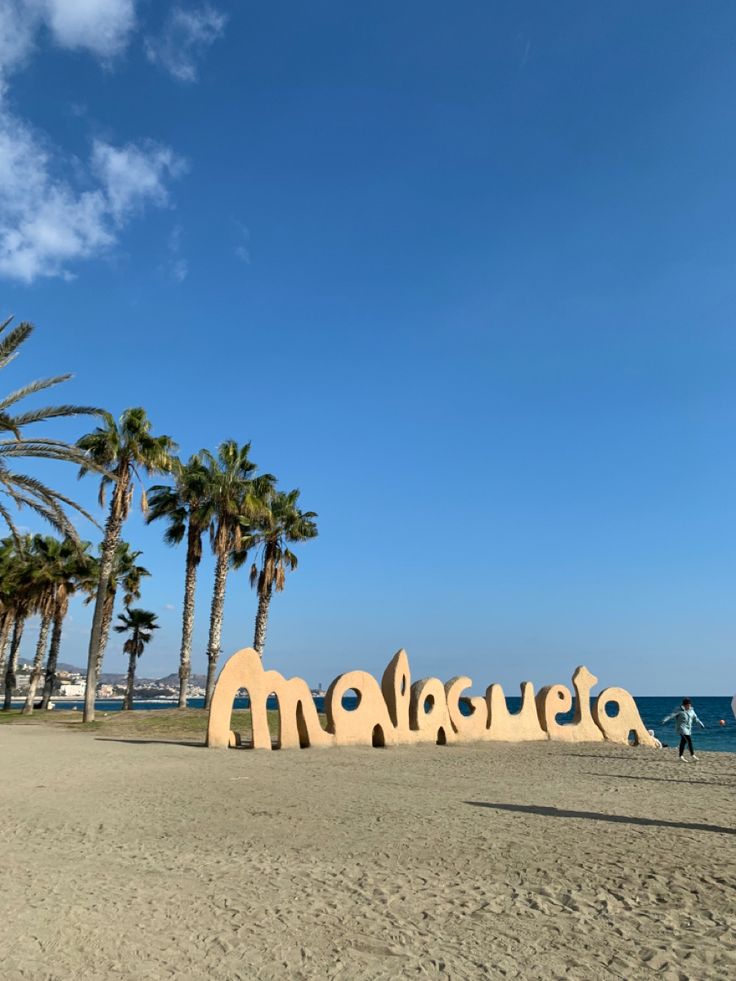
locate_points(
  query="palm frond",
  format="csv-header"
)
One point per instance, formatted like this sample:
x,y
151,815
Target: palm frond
x,y
8,519
31,388
53,412
12,341
31,483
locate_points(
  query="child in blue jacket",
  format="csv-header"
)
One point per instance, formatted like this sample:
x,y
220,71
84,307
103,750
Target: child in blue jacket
x,y
684,717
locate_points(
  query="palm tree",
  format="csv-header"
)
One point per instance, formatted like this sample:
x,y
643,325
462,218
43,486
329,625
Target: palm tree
x,y
234,502
281,523
17,581
21,489
74,571
125,574
42,588
7,549
123,449
140,624
186,509
6,625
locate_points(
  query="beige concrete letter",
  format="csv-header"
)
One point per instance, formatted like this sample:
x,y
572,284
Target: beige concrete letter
x,y
616,729
551,701
556,699
471,727
396,690
242,670
586,731
299,724
298,719
367,724
428,714
522,726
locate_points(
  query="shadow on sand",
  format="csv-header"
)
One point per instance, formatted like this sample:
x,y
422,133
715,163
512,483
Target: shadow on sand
x,y
150,742
596,816
688,783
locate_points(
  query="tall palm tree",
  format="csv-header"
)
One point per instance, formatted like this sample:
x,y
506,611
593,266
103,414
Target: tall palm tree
x,y
234,501
140,624
20,598
186,509
20,489
123,449
281,523
74,571
42,587
7,616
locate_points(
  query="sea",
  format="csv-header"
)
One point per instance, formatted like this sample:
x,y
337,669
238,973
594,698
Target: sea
x,y
714,712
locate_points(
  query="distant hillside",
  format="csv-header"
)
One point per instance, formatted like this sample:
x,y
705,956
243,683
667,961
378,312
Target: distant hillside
x,y
118,678
200,680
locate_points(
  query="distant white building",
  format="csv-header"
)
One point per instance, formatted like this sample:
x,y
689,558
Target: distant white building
x,y
73,691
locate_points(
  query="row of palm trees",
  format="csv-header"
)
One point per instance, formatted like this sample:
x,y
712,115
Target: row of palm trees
x,y
245,516
39,574
219,495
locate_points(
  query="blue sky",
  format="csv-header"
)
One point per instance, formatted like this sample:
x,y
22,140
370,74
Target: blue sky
x,y
462,273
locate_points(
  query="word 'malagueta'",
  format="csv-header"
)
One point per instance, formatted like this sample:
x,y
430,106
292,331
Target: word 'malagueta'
x,y
428,711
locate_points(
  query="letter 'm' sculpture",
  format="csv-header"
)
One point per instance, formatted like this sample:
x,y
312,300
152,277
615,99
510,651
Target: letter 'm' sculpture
x,y
428,711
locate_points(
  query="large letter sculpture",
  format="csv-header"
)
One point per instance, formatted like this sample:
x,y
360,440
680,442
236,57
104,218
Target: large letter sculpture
x,y
399,712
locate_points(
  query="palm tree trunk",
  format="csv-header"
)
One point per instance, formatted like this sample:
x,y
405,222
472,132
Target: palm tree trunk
x,y
113,527
35,677
187,619
6,622
128,699
107,612
218,605
259,639
50,679
20,620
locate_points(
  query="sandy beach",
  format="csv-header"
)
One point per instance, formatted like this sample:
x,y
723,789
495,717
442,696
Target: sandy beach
x,y
150,860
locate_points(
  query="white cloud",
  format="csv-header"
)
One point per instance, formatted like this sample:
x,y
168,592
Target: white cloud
x,y
102,27
46,223
49,221
16,33
134,175
184,40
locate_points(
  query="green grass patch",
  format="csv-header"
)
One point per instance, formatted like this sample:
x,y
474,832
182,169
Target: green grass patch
x,y
171,725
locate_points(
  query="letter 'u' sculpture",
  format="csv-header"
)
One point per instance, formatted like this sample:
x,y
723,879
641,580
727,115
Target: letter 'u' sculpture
x,y
398,712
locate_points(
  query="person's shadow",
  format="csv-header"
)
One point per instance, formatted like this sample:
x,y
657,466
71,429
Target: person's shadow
x,y
596,816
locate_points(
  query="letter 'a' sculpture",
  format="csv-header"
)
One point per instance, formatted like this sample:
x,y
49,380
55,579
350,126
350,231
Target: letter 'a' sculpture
x,y
398,712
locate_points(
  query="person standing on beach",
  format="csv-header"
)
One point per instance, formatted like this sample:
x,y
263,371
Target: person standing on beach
x,y
684,717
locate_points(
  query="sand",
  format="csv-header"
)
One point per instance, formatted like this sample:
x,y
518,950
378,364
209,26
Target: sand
x,y
151,860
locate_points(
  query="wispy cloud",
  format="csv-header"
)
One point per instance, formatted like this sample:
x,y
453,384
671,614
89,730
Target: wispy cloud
x,y
242,248
524,44
186,36
177,266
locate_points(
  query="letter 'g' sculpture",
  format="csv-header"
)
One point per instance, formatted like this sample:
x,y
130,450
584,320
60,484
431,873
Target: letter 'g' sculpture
x,y
398,712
